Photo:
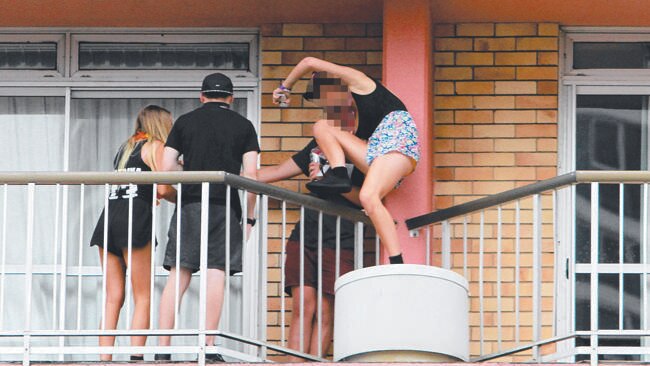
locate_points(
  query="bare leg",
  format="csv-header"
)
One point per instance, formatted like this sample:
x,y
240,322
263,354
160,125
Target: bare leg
x,y
383,175
294,328
114,296
141,283
337,144
215,294
328,326
166,317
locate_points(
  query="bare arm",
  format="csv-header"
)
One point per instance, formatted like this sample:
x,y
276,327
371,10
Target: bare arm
x,y
152,154
357,81
284,170
249,162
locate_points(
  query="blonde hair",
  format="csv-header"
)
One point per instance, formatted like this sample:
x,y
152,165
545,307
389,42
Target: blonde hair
x,y
155,122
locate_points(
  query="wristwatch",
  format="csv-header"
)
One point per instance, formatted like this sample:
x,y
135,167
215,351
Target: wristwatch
x,y
251,221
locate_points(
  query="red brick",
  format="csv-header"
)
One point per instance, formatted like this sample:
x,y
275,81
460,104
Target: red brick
x,y
529,101
453,188
443,58
452,131
548,29
271,115
281,129
515,58
515,173
453,160
537,73
474,58
514,116
443,173
547,145
493,131
374,58
515,87
453,44
545,172
302,30
301,115
547,116
474,117
444,30
453,73
494,44
443,102
273,158
274,29
547,58
474,173
537,44
270,143
346,58
368,44
494,73
475,29
374,71
345,30
516,29
493,159
443,116
473,145
489,102
443,145
474,87
486,188
294,144
281,43
547,87
276,72
324,44
514,145
293,58
271,58
536,130
374,30
444,88
536,159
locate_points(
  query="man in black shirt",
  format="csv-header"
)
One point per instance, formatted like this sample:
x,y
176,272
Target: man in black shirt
x,y
210,138
300,163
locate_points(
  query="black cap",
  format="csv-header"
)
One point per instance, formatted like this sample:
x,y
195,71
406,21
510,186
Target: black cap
x,y
217,83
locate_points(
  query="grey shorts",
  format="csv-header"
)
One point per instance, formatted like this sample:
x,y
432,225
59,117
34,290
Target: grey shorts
x,y
190,243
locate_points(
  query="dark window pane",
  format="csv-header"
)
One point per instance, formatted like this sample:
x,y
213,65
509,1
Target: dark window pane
x,y
28,56
611,55
163,56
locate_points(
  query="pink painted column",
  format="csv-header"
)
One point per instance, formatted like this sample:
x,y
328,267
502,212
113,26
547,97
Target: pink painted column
x,y
408,72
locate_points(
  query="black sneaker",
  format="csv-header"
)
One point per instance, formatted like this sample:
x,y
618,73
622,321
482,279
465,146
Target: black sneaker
x,y
330,184
162,357
213,358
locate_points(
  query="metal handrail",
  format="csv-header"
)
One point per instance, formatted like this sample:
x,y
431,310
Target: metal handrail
x,y
579,176
236,181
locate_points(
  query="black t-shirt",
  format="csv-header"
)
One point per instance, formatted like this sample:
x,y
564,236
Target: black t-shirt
x,y
374,107
302,159
212,137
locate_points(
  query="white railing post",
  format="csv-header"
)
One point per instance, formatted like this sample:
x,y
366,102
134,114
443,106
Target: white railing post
x,y
595,203
537,273
29,271
263,233
446,244
203,270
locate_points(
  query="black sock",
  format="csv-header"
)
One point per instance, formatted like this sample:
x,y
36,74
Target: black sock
x,y
340,171
396,259
137,358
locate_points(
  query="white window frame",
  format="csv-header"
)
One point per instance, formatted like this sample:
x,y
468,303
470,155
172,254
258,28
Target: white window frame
x,y
574,82
59,39
166,37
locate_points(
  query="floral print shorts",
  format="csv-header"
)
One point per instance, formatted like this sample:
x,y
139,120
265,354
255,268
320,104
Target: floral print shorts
x,y
396,132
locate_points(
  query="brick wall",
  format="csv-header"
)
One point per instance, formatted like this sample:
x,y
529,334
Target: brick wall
x,y
285,131
495,129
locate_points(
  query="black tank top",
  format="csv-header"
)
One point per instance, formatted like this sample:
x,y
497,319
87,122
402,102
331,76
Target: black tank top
x,y
134,164
374,107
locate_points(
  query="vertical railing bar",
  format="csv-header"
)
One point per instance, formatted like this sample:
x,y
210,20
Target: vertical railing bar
x,y
499,243
82,190
465,272
377,251
129,250
263,235
179,204
319,296
517,253
537,273
55,253
203,268
29,263
480,279
428,246
446,244
338,247
594,230
4,257
282,277
621,230
64,267
572,262
105,256
226,312
644,256
152,278
358,245
302,280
